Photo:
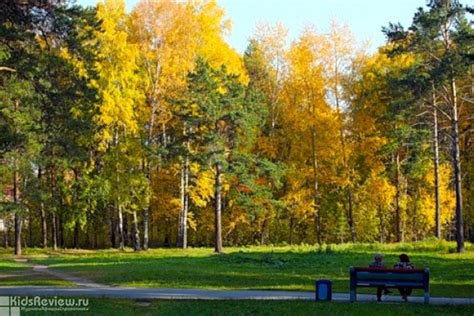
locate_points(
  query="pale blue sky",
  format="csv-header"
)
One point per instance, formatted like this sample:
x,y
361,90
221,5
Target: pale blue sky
x,y
365,17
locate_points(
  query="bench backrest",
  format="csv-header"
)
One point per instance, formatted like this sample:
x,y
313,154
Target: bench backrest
x,y
363,276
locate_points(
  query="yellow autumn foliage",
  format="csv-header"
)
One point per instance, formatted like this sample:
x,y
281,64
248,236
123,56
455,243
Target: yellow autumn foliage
x,y
117,68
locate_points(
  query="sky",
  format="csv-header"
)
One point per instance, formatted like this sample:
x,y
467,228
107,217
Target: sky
x,y
364,17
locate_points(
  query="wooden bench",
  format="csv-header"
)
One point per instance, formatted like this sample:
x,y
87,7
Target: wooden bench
x,y
390,278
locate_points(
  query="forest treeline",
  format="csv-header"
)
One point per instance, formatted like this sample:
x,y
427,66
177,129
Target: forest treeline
x,y
145,128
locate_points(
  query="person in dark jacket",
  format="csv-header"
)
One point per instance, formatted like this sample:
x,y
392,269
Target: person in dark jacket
x,y
378,263
404,264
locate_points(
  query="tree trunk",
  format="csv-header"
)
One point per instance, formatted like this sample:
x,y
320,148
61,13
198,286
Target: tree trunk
x,y
18,221
44,227
88,237
153,233
5,234
164,138
61,231
145,227
182,240
54,239
436,168
186,202
457,170
398,221
414,224
181,224
112,232
126,230
95,239
30,229
218,210
136,233
118,207
292,228
147,168
88,242
54,220
147,208
76,235
351,215
120,228
18,225
317,210
264,232
382,225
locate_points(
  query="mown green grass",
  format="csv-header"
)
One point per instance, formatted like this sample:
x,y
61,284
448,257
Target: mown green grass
x,y
20,273
277,268
10,266
157,307
27,281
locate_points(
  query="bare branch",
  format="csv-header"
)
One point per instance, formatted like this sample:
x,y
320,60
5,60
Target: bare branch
x,y
429,103
423,113
7,69
467,100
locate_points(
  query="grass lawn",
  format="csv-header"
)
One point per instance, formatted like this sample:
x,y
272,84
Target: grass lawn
x,y
18,273
279,268
7,265
129,307
37,280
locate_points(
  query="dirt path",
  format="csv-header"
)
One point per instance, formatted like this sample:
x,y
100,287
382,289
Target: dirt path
x,y
44,272
78,281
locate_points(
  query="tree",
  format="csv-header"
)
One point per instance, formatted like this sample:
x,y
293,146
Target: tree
x,y
118,86
45,40
444,35
308,110
216,112
339,55
184,31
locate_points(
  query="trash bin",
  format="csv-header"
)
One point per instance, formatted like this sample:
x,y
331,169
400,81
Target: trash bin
x,y
323,290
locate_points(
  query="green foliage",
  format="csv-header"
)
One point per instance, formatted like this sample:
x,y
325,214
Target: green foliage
x,y
105,113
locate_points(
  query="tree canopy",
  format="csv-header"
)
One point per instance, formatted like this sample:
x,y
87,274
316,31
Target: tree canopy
x,y
146,128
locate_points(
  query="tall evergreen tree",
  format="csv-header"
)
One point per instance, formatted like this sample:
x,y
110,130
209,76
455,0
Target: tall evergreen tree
x,y
445,36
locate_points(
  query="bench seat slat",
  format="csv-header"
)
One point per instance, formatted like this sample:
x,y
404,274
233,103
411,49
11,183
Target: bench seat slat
x,y
389,276
390,284
396,270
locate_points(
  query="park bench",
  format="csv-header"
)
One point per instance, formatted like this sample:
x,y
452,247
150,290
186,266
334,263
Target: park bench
x,y
390,278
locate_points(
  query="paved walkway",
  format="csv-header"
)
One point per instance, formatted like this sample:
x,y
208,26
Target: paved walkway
x,y
87,288
194,294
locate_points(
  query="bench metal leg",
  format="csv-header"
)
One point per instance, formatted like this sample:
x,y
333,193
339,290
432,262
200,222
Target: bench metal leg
x,y
427,297
353,296
426,281
352,285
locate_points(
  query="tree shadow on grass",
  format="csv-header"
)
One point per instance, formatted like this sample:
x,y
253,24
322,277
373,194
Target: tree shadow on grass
x,y
29,276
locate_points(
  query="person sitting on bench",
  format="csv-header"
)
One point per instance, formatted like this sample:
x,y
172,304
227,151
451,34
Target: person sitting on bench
x,y
404,264
378,263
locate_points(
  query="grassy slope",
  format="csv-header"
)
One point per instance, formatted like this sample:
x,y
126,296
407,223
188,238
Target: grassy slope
x,y
11,266
128,307
18,273
37,281
283,268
